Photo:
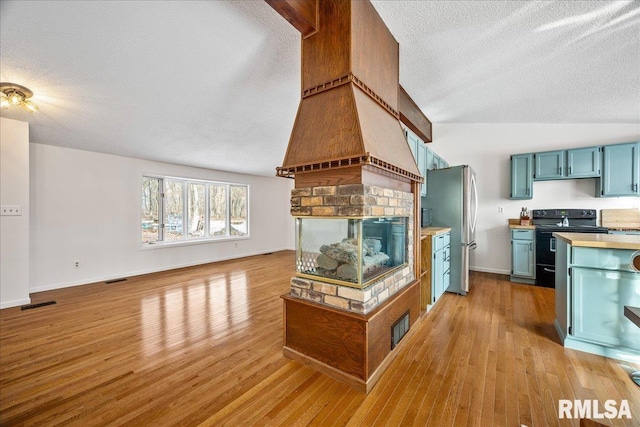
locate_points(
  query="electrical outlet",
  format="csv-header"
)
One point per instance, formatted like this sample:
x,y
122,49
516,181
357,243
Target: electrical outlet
x,y
76,264
500,209
11,210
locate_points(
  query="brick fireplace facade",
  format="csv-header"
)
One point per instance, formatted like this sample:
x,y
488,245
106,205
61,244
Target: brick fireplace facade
x,y
354,200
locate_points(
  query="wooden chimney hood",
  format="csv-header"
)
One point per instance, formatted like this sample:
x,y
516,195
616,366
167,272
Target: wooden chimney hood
x,y
348,115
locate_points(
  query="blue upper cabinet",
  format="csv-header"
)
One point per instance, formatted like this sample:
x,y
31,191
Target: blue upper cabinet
x,y
522,176
436,162
620,170
412,140
422,166
430,154
583,162
425,158
549,165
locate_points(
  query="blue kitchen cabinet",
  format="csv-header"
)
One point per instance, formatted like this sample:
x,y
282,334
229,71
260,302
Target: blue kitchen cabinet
x,y
438,275
436,161
593,284
412,140
523,265
583,162
430,155
620,170
521,176
420,154
549,165
422,165
599,297
440,271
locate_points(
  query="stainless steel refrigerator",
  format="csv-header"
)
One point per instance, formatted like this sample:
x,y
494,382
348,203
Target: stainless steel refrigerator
x,y
452,195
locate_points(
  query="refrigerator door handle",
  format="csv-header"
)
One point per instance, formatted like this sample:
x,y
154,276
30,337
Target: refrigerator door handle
x,y
475,199
473,245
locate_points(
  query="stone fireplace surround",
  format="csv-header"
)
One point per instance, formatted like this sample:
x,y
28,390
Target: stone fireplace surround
x,y
354,200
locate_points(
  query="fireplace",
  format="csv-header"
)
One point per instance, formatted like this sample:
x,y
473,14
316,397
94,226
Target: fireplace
x,y
354,244
355,291
351,252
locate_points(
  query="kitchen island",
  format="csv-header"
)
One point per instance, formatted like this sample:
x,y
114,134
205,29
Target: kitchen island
x,y
596,276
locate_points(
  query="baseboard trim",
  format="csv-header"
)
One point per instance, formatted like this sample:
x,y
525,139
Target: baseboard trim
x,y
15,303
515,279
355,382
490,270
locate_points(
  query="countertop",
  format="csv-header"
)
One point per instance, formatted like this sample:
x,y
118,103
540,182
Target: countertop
x,y
433,231
526,227
596,240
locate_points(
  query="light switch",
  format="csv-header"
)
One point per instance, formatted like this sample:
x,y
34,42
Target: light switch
x,y
11,210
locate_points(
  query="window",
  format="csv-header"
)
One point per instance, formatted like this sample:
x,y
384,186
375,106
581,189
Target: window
x,y
151,231
181,210
173,210
238,210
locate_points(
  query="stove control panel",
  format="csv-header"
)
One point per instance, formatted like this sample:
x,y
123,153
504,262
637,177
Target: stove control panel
x,y
564,213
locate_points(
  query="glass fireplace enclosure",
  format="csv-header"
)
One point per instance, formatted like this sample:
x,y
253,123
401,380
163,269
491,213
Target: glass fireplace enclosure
x,y
350,251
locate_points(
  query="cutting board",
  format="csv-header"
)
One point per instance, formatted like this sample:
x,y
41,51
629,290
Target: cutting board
x,y
621,218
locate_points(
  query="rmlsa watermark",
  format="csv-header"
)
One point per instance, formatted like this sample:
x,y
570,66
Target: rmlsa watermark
x,y
591,408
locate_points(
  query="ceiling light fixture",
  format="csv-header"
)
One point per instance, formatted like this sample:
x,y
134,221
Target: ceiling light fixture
x,y
14,94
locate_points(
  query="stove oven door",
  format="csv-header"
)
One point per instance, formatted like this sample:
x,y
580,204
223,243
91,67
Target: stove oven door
x,y
545,259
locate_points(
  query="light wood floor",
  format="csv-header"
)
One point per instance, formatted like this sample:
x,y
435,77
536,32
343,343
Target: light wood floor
x,y
202,345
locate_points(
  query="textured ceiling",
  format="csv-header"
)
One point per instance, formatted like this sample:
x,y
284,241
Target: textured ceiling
x,y
216,83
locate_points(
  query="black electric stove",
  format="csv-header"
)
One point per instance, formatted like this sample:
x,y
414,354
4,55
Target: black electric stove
x,y
548,221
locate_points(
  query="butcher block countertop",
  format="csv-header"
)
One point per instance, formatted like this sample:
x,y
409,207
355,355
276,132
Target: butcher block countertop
x,y
595,240
433,231
525,227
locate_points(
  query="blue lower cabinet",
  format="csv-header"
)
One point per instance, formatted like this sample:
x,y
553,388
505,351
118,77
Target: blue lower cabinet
x,y
599,297
522,258
523,265
593,285
441,263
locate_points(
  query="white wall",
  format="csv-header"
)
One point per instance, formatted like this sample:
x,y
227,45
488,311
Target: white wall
x,y
85,207
14,230
487,147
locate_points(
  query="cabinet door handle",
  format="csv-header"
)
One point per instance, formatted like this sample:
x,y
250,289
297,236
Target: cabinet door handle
x,y
527,191
531,246
560,170
549,270
569,171
635,187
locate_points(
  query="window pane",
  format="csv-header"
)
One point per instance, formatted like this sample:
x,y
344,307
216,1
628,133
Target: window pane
x,y
174,205
196,210
150,209
218,210
238,207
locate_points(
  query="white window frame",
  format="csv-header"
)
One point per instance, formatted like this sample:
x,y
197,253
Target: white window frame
x,y
186,240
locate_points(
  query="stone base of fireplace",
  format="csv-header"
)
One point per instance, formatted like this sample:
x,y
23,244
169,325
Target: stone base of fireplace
x,y
350,347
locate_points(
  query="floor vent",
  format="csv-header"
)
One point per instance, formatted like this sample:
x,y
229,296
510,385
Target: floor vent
x,y
399,329
108,282
40,304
